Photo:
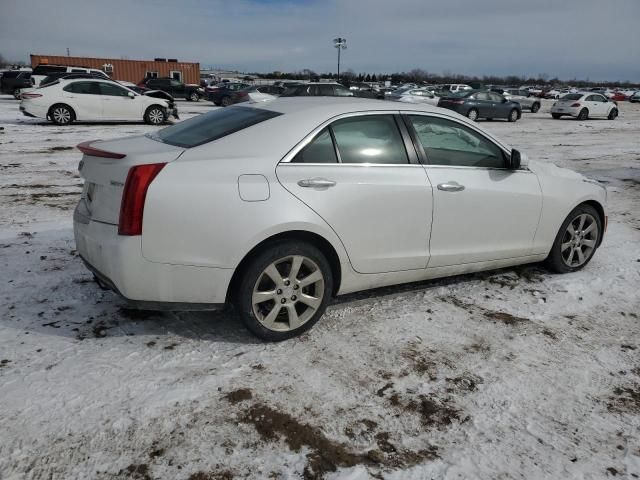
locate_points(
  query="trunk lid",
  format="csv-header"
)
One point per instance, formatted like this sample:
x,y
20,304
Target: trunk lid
x,y
105,177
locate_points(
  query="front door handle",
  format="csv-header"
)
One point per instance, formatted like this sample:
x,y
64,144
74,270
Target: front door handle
x,y
316,183
450,186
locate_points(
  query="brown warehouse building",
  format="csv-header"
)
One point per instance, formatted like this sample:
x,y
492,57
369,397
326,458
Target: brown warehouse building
x,y
127,70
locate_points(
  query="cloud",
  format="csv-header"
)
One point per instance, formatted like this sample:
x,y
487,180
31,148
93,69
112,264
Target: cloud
x,y
572,38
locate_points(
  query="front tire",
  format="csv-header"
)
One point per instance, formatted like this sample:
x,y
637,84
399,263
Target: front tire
x,y
613,114
584,114
194,97
472,114
283,291
513,115
535,107
155,115
61,114
576,241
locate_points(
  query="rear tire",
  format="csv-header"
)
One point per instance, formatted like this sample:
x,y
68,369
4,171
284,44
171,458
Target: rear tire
x,y
613,114
61,114
556,115
194,97
513,115
564,251
226,101
283,307
472,115
155,115
583,115
16,93
535,107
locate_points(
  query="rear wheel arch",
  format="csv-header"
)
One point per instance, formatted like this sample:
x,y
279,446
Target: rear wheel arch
x,y
74,117
304,236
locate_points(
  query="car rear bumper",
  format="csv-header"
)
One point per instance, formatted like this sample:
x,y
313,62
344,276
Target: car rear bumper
x,y
572,111
118,264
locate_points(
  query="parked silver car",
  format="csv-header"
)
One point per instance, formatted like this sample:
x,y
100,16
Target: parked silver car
x,y
524,98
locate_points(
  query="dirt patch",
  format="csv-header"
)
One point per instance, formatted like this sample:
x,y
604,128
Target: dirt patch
x,y
137,471
327,455
504,317
625,399
433,413
466,383
239,395
4,363
380,391
134,314
223,475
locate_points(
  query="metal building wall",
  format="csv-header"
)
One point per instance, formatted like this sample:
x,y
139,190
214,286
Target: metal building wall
x,y
128,70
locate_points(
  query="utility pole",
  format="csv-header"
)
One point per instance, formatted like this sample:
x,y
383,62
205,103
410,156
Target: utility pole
x,y
341,44
68,52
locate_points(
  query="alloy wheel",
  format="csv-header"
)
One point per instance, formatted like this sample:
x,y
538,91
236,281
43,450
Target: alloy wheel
x,y
288,293
156,116
579,240
61,115
473,115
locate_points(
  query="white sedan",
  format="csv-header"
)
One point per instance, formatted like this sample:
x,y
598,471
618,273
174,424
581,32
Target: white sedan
x,y
585,105
66,101
415,95
276,207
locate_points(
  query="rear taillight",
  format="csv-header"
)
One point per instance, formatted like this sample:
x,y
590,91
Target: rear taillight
x,y
135,192
87,149
575,104
30,95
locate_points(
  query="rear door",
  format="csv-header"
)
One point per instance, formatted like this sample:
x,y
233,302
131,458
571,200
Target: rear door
x,y
499,108
361,175
117,104
484,104
85,99
482,211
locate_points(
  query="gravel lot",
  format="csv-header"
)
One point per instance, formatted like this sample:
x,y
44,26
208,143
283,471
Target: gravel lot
x,y
511,374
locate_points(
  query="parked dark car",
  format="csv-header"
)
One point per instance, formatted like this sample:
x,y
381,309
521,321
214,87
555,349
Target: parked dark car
x,y
318,90
222,93
243,95
476,104
15,80
174,88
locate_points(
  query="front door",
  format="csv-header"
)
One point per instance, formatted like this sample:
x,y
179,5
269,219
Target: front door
x,y
357,176
485,106
482,211
85,99
117,104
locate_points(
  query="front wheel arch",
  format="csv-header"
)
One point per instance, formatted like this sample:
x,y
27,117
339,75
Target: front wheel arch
x,y
314,239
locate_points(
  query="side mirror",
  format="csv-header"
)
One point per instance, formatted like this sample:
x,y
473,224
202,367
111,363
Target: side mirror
x,y
505,99
131,94
518,160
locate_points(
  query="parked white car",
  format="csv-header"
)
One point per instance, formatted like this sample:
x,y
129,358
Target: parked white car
x,y
584,105
523,97
414,95
276,207
66,101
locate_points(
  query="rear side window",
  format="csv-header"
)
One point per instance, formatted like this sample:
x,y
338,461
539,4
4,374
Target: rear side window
x,y
212,126
320,150
47,69
85,88
369,139
112,90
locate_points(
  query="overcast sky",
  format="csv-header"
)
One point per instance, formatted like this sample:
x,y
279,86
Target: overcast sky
x,y
594,39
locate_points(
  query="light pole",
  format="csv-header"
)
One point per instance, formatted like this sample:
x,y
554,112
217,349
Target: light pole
x,y
341,44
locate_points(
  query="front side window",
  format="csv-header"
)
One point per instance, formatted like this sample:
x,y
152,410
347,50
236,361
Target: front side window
x,y
484,96
112,90
212,126
343,92
84,88
319,150
325,90
449,143
369,139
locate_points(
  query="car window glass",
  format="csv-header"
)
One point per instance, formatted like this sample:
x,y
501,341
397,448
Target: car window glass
x,y
495,97
78,70
84,88
369,139
342,91
320,150
449,143
174,83
325,90
112,90
482,96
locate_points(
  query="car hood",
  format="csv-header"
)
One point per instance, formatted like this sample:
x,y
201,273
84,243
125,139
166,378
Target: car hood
x,y
552,170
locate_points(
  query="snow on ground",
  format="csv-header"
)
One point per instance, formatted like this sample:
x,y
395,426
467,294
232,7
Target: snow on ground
x,y
510,374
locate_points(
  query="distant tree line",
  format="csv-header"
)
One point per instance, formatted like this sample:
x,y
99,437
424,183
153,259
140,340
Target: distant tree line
x,y
418,75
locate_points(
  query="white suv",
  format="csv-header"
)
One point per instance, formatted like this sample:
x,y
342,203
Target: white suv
x,y
43,71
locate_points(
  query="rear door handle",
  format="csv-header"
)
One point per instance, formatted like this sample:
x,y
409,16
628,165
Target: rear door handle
x,y
316,183
450,186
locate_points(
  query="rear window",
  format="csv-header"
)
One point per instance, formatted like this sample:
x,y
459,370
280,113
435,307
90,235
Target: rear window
x,y
572,96
212,126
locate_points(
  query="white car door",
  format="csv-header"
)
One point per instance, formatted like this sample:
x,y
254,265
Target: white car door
x,y
482,210
118,105
85,99
601,105
357,175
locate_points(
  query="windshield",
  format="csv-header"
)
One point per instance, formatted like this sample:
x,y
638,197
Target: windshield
x,y
211,126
